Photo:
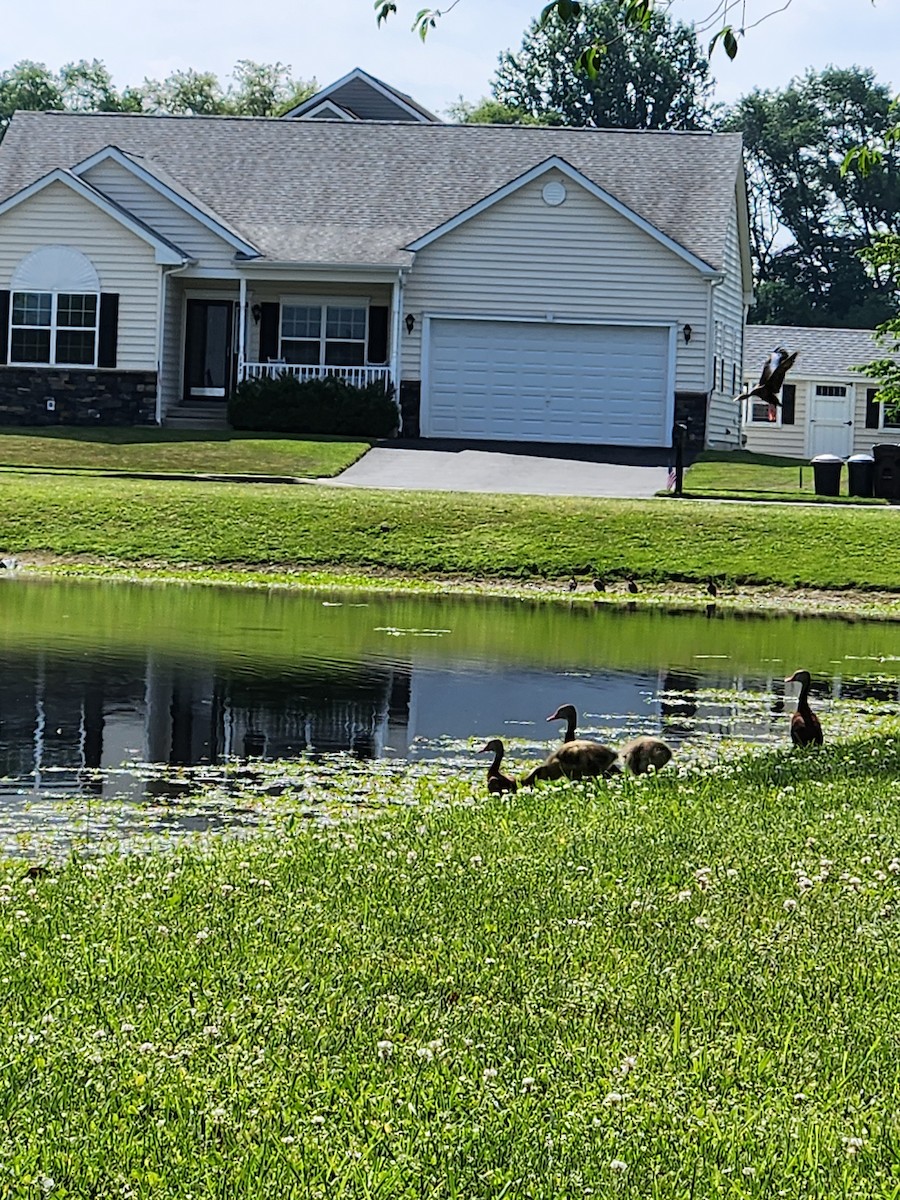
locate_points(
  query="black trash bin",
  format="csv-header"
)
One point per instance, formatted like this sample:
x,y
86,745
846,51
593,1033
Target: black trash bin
x,y
827,474
861,475
887,470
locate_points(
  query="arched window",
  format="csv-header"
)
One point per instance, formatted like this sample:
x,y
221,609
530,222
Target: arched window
x,y
54,309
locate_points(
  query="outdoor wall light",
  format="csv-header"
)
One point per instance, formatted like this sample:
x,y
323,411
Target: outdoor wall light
x,y
687,331
256,312
410,322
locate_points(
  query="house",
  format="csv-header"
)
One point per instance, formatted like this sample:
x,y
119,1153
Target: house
x,y
826,406
512,283
359,96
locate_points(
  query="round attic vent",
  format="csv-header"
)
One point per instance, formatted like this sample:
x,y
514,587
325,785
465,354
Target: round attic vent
x,y
554,193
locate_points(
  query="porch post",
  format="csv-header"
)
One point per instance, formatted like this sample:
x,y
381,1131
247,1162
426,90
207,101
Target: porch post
x,y
242,329
396,319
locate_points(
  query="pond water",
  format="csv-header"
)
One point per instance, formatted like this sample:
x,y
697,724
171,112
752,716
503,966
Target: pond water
x,y
120,698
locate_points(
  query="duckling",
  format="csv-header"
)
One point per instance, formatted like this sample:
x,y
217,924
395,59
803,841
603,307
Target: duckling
x,y
645,752
497,782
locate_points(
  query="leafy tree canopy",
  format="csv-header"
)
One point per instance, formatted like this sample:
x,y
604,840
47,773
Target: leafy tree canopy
x,y
809,218
883,259
652,77
257,89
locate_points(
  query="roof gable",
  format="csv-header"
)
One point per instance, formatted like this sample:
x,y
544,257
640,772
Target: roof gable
x,y
166,252
365,98
172,192
559,164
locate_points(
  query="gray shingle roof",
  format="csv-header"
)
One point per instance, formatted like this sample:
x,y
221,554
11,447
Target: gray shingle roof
x,y
823,353
334,192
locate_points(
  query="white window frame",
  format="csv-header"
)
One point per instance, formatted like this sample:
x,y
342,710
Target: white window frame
x,y
323,303
777,423
882,424
53,328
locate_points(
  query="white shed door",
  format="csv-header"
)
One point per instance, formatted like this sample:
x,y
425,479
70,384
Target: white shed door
x,y
531,381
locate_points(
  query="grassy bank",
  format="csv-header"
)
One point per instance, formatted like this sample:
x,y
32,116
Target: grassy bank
x,y
672,986
176,452
494,537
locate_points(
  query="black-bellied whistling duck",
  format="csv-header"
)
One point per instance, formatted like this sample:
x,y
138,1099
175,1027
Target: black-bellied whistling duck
x,y
645,752
577,758
771,380
497,782
805,727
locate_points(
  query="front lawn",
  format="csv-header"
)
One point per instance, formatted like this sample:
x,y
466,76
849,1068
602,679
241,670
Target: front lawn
x,y
723,472
209,525
671,986
177,452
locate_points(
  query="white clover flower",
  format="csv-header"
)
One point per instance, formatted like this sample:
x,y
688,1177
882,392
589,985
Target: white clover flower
x,y
287,1140
146,1048
684,896
894,866
880,876
799,1097
317,1120
853,1145
702,922
789,905
436,1044
126,1027
731,873
527,1083
748,1171
489,1073
613,1098
385,1049
211,1030
47,1184
476,861
425,1054
162,930
201,935
618,1165
218,1114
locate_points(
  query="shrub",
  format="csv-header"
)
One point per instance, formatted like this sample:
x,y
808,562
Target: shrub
x,y
317,406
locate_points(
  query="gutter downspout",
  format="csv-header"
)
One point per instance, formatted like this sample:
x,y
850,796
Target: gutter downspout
x,y
242,329
161,330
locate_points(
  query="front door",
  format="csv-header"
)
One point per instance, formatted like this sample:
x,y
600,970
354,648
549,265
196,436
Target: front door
x,y
830,419
209,349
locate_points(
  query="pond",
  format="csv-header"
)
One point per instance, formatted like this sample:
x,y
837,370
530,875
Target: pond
x,y
117,701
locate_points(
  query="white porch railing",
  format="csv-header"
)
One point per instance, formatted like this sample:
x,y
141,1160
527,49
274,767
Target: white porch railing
x,y
357,376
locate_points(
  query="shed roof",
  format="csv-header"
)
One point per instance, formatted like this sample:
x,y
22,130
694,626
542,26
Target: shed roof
x,y
331,192
823,353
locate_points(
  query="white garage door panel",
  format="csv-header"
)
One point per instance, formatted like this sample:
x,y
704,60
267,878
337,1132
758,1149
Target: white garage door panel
x,y
508,380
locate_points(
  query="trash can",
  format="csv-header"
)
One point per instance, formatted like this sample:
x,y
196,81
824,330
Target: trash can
x,y
827,474
887,471
861,475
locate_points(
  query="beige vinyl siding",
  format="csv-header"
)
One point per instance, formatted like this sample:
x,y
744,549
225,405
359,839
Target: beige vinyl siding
x,y
723,421
792,441
579,261
767,437
274,293
166,218
125,264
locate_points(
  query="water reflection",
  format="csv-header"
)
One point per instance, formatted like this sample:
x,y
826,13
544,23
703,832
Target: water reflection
x,y
101,680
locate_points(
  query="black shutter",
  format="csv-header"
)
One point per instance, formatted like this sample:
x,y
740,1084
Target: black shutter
x,y
788,401
873,416
4,325
268,331
377,351
109,329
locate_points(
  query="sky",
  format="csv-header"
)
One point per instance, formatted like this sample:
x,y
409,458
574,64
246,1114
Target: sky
x,y
325,39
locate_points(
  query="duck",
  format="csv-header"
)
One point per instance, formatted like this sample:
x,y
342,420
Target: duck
x,y
805,727
712,589
599,586
573,584
771,380
633,587
497,782
645,752
576,758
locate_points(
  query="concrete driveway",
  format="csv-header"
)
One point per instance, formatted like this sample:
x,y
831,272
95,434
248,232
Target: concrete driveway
x,y
538,469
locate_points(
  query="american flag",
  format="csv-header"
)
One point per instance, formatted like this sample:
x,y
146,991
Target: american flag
x,y
670,480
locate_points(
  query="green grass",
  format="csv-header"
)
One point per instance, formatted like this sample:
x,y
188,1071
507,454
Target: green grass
x,y
169,451
209,525
665,987
741,471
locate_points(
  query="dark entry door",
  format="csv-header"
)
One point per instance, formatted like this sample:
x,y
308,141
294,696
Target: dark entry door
x,y
209,349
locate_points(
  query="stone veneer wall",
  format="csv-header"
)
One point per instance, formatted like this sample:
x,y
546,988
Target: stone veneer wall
x,y
410,406
690,407
80,396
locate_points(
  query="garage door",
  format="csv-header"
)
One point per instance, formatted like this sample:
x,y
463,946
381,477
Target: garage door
x,y
524,381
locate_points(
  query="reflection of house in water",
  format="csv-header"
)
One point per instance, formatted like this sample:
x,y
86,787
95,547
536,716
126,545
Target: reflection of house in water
x,y
60,717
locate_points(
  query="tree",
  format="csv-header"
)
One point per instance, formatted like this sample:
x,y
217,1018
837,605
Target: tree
x,y
266,90
30,86
652,77
491,112
809,218
883,259
88,87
